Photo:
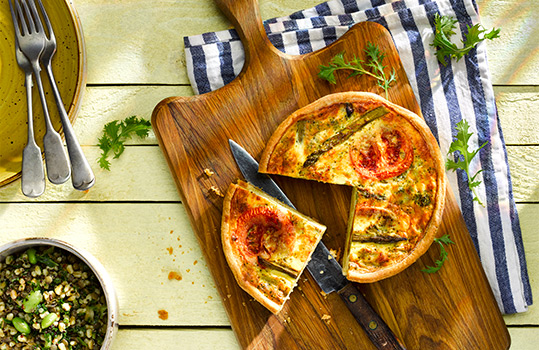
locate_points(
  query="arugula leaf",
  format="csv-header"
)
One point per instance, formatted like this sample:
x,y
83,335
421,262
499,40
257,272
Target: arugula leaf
x,y
445,27
376,59
460,144
116,133
443,254
374,67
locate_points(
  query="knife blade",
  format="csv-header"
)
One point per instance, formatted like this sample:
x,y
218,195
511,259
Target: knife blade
x,y
326,271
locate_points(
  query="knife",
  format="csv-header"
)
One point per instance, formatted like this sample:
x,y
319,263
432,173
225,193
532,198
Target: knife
x,y
326,271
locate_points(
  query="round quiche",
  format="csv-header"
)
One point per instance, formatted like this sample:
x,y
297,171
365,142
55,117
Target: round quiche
x,y
390,157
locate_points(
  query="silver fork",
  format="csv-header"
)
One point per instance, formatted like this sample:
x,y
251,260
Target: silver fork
x,y
31,41
81,173
33,174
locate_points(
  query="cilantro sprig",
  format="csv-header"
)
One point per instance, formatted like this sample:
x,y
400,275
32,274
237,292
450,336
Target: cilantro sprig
x,y
445,29
373,67
443,254
116,132
460,144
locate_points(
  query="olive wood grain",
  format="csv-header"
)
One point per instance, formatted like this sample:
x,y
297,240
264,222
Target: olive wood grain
x,y
451,309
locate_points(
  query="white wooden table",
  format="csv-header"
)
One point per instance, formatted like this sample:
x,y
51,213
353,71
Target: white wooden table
x,y
133,220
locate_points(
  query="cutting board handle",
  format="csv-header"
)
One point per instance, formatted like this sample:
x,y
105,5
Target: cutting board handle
x,y
245,16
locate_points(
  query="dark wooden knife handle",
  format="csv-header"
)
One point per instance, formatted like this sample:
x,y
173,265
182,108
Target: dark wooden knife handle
x,y
377,330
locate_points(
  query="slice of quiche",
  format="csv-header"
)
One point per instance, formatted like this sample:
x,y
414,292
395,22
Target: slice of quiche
x,y
267,244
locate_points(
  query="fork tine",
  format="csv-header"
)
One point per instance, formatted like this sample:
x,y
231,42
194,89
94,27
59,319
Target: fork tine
x,y
35,16
19,19
29,17
15,22
46,18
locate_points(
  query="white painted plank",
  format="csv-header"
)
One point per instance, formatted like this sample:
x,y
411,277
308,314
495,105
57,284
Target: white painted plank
x,y
529,221
140,174
517,108
142,41
136,41
139,245
523,338
514,56
210,339
104,104
131,241
524,166
180,339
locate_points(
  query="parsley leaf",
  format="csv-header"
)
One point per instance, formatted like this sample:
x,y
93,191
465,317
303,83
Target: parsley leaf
x,y
460,144
445,27
443,254
116,133
374,67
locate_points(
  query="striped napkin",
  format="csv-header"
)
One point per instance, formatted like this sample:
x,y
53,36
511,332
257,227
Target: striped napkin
x,y
446,95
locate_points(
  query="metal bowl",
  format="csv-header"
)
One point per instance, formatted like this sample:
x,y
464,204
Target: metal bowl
x,y
93,263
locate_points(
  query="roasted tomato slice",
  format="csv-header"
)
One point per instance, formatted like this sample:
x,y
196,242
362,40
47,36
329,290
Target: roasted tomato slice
x,y
383,156
262,231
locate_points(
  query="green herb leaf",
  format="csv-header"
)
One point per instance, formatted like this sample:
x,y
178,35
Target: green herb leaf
x,y
376,64
116,133
462,162
46,260
445,27
373,67
443,254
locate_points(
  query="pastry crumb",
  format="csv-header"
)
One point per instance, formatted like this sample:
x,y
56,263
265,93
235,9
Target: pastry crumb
x,y
209,172
335,253
216,191
163,314
326,317
173,275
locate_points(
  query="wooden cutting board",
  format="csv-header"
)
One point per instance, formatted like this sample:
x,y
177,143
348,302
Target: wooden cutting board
x,y
451,309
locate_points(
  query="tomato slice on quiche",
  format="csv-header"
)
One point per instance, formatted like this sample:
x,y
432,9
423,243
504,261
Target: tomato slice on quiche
x,y
266,243
388,154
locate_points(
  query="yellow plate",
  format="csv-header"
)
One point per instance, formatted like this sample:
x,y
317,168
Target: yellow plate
x,y
69,67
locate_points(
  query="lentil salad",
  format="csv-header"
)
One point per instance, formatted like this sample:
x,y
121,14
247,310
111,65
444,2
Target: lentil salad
x,y
50,299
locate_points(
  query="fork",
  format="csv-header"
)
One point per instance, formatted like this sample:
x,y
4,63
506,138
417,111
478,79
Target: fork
x,y
82,176
31,41
33,174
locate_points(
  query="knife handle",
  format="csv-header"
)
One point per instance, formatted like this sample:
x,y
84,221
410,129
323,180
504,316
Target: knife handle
x,y
377,330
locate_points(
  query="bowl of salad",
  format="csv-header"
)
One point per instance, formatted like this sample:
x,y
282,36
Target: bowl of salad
x,y
54,296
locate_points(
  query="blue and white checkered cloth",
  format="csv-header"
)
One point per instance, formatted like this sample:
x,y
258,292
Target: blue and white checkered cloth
x,y
446,94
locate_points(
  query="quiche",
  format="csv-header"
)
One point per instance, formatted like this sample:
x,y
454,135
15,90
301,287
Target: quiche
x,y
267,244
390,157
